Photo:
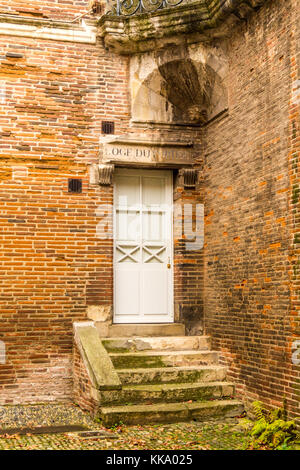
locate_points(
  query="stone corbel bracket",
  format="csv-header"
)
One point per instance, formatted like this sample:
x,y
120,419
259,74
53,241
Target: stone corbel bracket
x,y
202,19
101,174
105,172
188,177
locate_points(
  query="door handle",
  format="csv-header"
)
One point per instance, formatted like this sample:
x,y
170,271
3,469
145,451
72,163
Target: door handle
x,y
169,264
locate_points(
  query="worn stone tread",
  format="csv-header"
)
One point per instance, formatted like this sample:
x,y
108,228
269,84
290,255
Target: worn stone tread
x,y
149,329
163,353
166,379
175,386
170,412
166,343
142,369
205,373
163,358
168,393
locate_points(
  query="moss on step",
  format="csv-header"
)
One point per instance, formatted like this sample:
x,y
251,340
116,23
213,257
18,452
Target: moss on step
x,y
168,393
147,359
124,362
171,412
172,375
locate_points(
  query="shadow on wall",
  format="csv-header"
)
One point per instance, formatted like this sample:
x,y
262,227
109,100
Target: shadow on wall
x,y
178,91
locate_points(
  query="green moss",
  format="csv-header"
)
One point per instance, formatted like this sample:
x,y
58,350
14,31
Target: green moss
x,y
128,362
271,429
117,350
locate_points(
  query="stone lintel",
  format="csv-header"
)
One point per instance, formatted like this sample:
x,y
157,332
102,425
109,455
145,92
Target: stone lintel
x,y
135,152
141,153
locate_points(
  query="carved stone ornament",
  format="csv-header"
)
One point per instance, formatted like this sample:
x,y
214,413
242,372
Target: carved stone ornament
x,y
105,174
126,31
188,177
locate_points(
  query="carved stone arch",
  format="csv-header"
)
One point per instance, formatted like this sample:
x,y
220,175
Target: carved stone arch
x,y
178,87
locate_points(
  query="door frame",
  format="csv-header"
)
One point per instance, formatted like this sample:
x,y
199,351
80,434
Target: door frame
x,y
139,172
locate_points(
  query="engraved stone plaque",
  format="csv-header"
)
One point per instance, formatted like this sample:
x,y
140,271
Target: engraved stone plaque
x,y
134,152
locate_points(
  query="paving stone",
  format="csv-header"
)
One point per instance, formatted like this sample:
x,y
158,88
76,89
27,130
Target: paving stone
x,y
207,435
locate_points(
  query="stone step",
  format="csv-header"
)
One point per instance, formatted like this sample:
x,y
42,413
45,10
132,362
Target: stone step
x,y
169,412
158,343
163,359
153,375
144,329
167,393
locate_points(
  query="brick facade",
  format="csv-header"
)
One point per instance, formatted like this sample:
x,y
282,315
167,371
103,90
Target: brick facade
x,y
251,296
244,284
52,263
47,9
82,385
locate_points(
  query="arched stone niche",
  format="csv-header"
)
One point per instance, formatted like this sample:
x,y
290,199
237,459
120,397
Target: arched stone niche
x,y
180,85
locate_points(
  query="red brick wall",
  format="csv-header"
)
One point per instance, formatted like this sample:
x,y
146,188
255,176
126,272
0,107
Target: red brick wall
x,y
294,207
51,262
82,385
251,292
188,258
47,9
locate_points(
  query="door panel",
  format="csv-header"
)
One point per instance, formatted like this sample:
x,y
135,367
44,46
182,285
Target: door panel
x,y
127,301
143,246
154,299
127,190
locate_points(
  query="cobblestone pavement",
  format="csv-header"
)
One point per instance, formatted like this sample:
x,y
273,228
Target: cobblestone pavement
x,y
20,416
211,435
180,436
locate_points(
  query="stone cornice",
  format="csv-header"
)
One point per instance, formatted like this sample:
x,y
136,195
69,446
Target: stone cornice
x,y
82,31
145,142
204,19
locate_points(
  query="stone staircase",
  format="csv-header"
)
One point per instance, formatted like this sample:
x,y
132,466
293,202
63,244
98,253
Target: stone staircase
x,y
166,379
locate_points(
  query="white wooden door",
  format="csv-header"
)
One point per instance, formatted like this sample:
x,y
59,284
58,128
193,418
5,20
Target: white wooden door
x,y
143,279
